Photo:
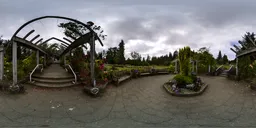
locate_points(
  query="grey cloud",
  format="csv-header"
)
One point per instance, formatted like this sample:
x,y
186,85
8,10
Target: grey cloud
x,y
141,47
199,19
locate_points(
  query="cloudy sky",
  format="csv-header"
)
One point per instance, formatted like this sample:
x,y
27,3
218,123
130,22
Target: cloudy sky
x,y
154,27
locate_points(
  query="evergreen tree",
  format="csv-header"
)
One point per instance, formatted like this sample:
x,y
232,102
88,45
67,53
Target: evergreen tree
x,y
170,56
121,58
175,54
225,59
219,58
148,59
111,56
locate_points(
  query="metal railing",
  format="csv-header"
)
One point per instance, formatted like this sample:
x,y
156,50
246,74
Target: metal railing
x,y
67,65
30,76
230,67
219,67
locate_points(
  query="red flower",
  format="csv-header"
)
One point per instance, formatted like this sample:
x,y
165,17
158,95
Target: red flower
x,y
102,67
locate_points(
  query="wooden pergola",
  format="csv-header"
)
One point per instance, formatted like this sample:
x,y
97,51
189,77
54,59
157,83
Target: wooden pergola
x,y
193,62
243,51
89,37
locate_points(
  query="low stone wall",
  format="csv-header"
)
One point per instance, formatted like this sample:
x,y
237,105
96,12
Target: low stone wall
x,y
120,79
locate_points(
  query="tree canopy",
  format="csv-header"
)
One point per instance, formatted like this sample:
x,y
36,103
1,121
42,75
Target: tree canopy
x,y
74,30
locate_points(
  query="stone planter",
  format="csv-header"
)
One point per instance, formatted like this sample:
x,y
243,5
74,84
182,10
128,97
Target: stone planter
x,y
196,88
167,87
253,87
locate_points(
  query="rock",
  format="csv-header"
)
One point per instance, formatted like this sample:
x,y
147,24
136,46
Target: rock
x,y
174,81
190,86
174,87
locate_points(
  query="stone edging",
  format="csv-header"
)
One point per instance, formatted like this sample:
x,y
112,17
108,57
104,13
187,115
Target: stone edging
x,y
253,87
151,74
185,95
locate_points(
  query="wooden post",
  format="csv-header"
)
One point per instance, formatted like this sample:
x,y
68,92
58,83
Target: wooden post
x,y
1,62
70,57
64,58
45,59
196,67
14,62
37,57
92,51
237,66
176,66
193,66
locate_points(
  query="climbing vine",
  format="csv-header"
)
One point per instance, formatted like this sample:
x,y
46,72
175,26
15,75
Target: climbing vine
x,y
244,67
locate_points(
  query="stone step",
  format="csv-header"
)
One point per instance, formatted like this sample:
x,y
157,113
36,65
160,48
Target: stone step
x,y
51,85
53,77
56,81
223,75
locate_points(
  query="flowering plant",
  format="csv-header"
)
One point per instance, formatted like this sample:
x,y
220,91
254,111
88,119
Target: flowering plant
x,y
99,68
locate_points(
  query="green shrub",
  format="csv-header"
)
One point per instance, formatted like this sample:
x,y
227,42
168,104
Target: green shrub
x,y
201,69
183,80
171,68
184,59
245,71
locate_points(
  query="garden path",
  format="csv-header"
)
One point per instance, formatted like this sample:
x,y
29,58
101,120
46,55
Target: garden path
x,y
137,103
54,71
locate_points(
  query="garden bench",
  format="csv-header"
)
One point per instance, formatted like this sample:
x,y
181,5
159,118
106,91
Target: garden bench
x,y
121,77
145,74
162,71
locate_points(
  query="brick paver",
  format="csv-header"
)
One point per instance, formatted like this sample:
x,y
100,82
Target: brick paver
x,y
137,103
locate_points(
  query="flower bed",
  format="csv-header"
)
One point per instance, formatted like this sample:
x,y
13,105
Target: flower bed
x,y
121,76
183,91
135,73
182,85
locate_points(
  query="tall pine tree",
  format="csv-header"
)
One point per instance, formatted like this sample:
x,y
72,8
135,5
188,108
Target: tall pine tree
x,y
225,59
219,58
121,58
175,54
170,56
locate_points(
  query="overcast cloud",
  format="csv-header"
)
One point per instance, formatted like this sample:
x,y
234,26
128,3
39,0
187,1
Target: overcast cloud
x,y
153,27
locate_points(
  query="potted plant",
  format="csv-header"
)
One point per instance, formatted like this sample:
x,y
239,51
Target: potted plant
x,y
135,73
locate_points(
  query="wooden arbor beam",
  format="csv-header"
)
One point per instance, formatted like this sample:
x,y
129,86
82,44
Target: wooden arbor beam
x,y
34,38
29,33
253,42
40,40
81,40
233,50
53,38
71,42
246,52
28,44
64,45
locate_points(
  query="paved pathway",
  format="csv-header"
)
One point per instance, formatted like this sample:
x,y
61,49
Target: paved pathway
x,y
138,103
54,71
